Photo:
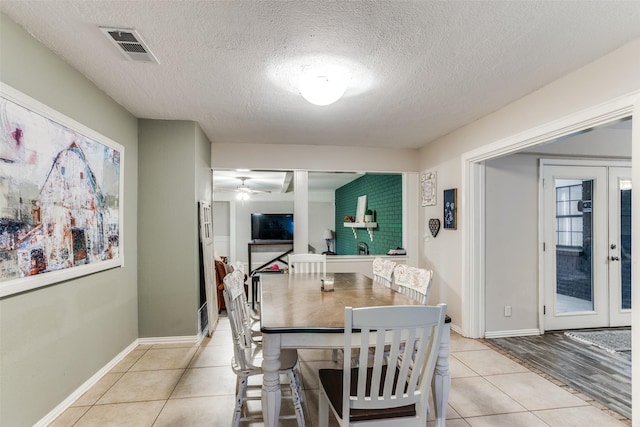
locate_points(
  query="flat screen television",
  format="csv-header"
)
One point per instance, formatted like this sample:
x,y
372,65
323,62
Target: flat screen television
x,y
271,227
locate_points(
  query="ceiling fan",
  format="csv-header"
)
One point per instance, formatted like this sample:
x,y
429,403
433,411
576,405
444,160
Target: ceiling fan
x,y
243,192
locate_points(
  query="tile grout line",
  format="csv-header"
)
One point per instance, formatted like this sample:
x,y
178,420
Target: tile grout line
x,y
155,420
109,388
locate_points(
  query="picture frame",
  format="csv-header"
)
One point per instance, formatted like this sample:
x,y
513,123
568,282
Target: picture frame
x,y
450,209
362,206
428,188
62,188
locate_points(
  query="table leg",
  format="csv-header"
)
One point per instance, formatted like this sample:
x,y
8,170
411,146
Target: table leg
x,y
442,378
271,394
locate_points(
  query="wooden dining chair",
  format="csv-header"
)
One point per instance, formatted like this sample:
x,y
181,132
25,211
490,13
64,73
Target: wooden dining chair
x,y
307,263
247,357
383,271
383,390
413,282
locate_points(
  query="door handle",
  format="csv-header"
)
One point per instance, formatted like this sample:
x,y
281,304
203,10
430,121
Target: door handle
x,y
615,258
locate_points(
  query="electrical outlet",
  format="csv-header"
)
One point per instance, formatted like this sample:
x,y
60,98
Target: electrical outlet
x,y
507,311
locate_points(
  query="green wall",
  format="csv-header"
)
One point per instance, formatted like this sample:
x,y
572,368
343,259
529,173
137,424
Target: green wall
x,y
53,339
384,196
174,174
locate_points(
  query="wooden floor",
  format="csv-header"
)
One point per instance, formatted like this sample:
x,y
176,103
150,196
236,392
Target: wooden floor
x,y
603,376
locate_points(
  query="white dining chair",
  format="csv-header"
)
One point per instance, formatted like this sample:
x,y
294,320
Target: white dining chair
x,y
247,357
253,315
307,263
310,263
383,271
372,393
238,265
413,282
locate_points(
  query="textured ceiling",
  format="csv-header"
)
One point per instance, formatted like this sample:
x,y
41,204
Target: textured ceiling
x,y
415,70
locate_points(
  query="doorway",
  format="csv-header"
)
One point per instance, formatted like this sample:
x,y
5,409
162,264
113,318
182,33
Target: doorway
x,y
586,220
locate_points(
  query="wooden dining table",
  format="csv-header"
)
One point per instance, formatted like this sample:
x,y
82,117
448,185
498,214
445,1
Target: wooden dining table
x,y
296,313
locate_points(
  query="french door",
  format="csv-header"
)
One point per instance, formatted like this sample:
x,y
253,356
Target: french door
x,y
586,246
620,246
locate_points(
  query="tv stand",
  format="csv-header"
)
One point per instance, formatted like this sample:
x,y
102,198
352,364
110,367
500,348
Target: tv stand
x,y
279,257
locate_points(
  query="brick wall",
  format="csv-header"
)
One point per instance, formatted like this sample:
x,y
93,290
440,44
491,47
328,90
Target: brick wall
x,y
384,197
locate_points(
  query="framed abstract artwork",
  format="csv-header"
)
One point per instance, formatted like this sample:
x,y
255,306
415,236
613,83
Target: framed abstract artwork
x,y
428,188
450,209
61,191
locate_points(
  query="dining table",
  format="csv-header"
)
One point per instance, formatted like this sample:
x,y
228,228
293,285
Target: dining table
x,y
296,313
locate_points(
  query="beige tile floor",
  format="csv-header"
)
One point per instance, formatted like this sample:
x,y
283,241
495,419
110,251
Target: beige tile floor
x,y
193,385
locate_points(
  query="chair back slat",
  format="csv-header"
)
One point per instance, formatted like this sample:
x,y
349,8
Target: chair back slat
x,y
401,376
307,263
390,380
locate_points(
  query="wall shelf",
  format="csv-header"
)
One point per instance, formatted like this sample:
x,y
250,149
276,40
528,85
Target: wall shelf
x,y
368,225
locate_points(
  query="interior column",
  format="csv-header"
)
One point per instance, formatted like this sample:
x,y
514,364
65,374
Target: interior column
x,y
301,212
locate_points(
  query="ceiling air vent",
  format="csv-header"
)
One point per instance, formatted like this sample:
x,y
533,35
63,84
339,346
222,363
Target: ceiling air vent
x,y
130,44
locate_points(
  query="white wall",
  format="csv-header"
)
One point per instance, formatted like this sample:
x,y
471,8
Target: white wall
x,y
221,228
321,217
512,243
512,224
240,226
313,158
610,142
611,76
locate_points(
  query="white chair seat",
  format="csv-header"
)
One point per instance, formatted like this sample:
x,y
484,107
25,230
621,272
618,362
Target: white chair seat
x,y
253,357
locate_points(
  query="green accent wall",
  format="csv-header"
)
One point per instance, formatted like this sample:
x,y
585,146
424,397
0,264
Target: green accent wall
x,y
384,197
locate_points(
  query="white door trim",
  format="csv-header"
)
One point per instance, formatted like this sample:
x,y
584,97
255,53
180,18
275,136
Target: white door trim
x,y
635,264
472,191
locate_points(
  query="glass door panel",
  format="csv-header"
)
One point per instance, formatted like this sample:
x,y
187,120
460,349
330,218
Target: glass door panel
x,y
575,239
625,244
620,245
574,230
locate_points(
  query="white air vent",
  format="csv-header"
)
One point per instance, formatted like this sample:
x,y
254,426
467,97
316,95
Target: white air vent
x,y
130,44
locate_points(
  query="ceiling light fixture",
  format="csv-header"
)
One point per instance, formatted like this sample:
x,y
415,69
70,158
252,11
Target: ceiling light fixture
x,y
321,90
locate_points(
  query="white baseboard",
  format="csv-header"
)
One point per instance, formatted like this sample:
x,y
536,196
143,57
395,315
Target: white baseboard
x,y
195,339
456,328
514,333
65,404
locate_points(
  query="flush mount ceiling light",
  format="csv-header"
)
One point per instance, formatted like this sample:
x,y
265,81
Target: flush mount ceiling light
x,y
295,74
321,89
